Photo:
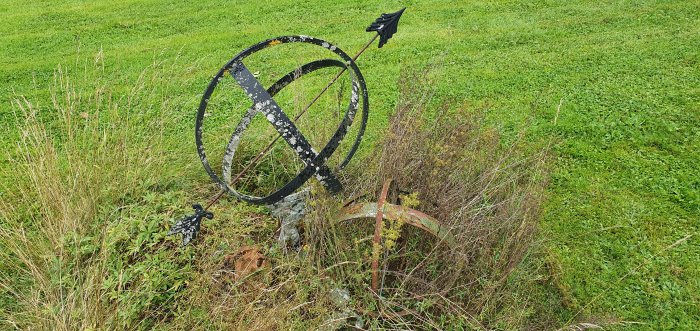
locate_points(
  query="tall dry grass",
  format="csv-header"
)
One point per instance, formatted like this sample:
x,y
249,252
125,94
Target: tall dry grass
x,y
486,189
90,153
76,160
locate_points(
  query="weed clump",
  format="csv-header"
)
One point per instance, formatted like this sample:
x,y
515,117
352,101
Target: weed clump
x,y
83,228
450,164
82,222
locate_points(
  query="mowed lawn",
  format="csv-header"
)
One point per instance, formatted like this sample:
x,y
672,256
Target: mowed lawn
x,y
614,84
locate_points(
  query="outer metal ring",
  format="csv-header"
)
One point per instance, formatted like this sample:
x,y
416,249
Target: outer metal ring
x,y
313,166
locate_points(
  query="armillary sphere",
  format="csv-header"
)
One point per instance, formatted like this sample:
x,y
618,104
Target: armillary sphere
x,y
264,104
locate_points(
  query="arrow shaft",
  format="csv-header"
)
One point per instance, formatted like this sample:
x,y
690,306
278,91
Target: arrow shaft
x,y
260,155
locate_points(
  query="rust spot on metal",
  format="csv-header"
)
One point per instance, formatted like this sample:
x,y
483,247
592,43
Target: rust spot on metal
x,y
393,212
351,209
377,234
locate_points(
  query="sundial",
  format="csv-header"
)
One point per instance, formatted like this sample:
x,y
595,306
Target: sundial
x,y
262,103
287,200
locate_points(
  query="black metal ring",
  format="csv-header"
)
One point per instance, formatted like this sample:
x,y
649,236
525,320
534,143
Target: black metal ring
x,y
313,166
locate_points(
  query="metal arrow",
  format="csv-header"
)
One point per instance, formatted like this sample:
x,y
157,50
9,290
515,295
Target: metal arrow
x,y
385,26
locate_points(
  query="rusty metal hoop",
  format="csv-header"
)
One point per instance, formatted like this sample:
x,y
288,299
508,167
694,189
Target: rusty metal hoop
x,y
368,210
381,211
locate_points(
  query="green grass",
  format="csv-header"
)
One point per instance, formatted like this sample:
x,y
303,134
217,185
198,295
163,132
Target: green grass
x,y
625,185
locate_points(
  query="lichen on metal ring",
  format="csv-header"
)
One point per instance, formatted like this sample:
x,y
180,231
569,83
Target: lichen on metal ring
x,y
315,162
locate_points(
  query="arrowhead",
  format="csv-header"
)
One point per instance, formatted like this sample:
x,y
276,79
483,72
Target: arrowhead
x,y
386,26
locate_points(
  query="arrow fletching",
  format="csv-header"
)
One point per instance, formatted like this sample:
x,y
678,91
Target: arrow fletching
x,y
386,26
188,226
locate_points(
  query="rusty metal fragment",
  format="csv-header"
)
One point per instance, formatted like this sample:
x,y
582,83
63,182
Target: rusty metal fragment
x,y
379,219
383,211
365,210
242,264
